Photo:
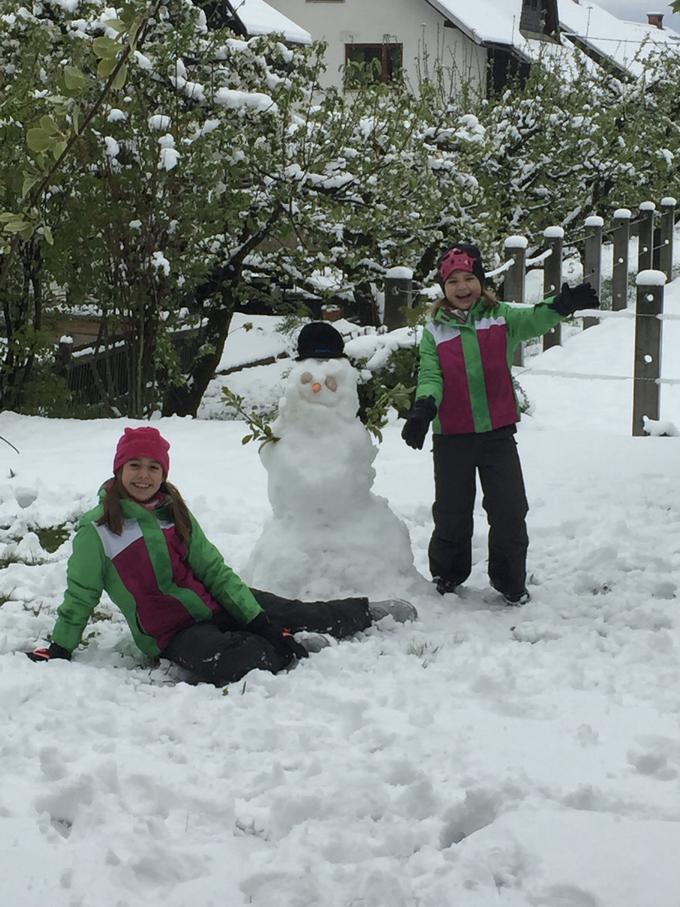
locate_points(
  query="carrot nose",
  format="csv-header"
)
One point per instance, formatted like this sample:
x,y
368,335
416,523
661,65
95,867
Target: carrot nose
x,y
316,387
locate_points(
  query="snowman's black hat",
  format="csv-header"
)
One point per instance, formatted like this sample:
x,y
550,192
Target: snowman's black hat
x,y
320,340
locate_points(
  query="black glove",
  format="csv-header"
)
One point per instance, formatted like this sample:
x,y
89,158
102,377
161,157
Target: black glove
x,y
571,299
282,640
418,421
54,651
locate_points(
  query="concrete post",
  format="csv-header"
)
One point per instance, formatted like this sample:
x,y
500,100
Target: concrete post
x,y
514,284
646,236
666,236
592,260
648,334
621,231
398,295
552,278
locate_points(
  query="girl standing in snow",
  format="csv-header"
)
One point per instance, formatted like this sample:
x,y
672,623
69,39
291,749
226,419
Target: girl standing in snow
x,y
465,389
181,601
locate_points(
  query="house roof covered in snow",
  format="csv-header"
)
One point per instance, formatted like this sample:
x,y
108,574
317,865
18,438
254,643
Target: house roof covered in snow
x,y
625,44
259,18
496,22
484,21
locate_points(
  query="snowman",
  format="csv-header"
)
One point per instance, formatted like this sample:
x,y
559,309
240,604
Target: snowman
x,y
329,535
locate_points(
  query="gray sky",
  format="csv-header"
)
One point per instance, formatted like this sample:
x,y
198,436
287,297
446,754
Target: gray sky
x,y
637,10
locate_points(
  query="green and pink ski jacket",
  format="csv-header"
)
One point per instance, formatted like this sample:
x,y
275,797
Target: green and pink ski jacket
x,y
465,366
161,585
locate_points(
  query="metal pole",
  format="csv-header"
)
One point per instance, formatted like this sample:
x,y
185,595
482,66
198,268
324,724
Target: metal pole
x,y
398,295
648,332
621,231
552,279
514,285
646,236
592,260
666,236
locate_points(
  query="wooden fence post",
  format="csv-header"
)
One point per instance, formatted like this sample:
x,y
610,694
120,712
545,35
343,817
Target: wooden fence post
x,y
621,231
398,294
552,278
666,236
592,260
646,236
648,333
514,284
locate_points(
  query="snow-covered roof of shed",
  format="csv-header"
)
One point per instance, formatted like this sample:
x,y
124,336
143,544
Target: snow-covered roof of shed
x,y
627,44
259,18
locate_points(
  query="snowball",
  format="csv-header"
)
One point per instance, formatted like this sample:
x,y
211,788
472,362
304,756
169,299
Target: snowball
x,y
658,428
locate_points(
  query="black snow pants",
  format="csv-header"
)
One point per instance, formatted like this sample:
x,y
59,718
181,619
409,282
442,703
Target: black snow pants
x,y
220,650
456,461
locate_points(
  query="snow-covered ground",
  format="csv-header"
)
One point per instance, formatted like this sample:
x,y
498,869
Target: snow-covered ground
x,y
482,755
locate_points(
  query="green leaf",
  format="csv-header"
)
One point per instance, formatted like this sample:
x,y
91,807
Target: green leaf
x,y
117,25
47,233
120,79
38,140
246,438
48,124
106,67
29,183
16,226
105,48
74,79
58,149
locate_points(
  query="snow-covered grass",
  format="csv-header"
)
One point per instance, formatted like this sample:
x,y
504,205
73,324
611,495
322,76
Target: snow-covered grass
x,y
479,756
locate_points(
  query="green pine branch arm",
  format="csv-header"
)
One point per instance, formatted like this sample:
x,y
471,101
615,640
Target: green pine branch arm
x,y
219,579
430,378
525,324
84,586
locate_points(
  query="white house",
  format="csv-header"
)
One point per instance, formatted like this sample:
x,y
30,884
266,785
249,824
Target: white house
x,y
482,41
401,36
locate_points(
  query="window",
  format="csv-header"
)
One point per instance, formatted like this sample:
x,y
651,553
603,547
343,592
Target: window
x,y
538,17
365,63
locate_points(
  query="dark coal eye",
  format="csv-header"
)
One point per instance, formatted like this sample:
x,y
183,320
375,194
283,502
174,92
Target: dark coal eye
x,y
331,383
306,378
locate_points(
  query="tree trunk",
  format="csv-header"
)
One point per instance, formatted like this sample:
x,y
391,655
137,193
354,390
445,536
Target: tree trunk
x,y
184,399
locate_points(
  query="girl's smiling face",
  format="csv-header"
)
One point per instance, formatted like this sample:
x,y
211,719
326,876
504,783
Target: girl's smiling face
x,y
462,289
142,478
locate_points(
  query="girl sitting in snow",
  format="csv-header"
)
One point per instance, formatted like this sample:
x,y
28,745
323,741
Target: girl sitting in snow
x,y
465,388
181,601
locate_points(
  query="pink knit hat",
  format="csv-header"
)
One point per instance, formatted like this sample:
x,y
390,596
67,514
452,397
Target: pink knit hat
x,y
461,257
142,442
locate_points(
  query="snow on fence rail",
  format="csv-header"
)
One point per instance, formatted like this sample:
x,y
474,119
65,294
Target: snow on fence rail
x,y
654,267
